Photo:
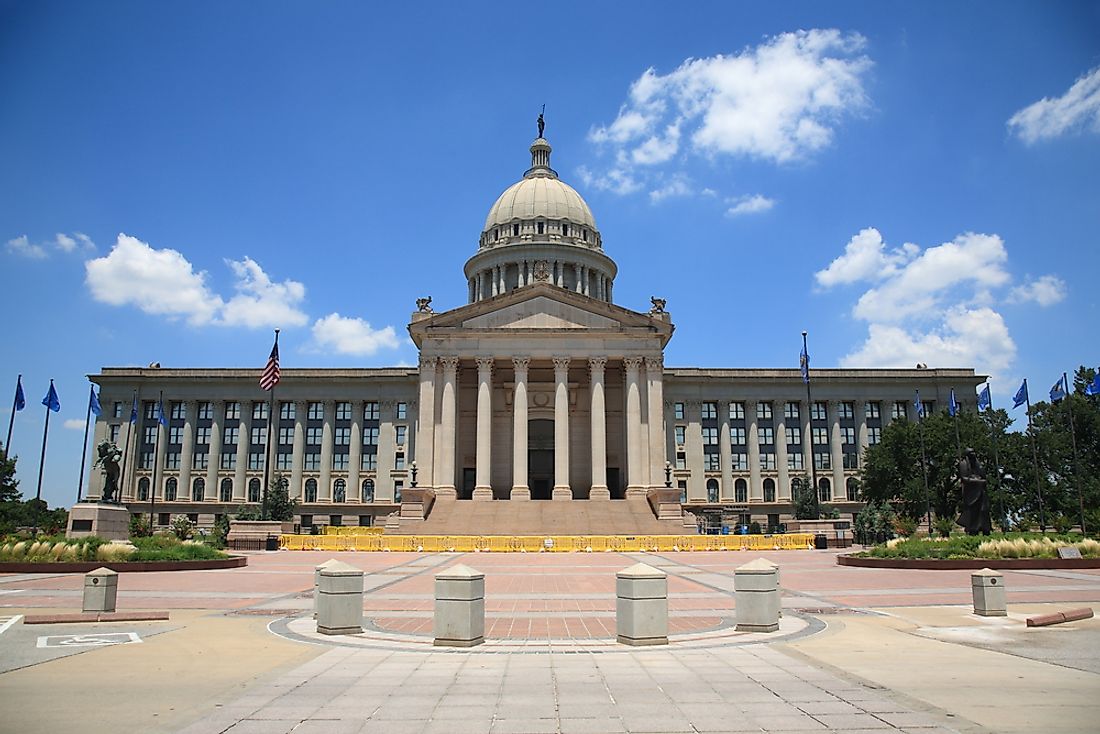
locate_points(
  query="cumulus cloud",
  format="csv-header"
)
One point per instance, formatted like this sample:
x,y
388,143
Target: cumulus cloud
x,y
779,101
74,424
1077,109
865,257
25,248
1045,291
749,205
260,302
37,251
351,336
676,187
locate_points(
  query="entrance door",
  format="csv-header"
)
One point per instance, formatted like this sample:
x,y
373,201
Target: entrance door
x,y
469,478
540,458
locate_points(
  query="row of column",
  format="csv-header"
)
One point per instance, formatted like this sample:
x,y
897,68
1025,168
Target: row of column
x,y
493,281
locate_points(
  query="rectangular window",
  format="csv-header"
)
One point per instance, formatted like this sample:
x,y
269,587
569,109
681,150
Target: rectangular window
x,y
764,411
790,411
794,435
200,461
255,462
314,435
117,410
679,434
737,411
343,411
286,436
681,460
821,436
150,434
286,411
402,411
202,435
341,437
848,436
370,411
229,461
147,458
871,410
767,461
846,411
710,436
765,435
259,435
232,411
712,462
175,434
678,411
737,435
340,462
311,462
794,461
851,461
928,406
284,462
178,411
259,411
874,435
399,460
823,461
205,412
399,434
898,411
316,412
150,410
114,429
710,411
369,462
370,436
818,412
230,435
739,462
172,461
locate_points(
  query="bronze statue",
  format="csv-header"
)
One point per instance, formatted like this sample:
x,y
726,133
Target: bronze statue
x,y
974,505
542,121
658,305
109,457
424,305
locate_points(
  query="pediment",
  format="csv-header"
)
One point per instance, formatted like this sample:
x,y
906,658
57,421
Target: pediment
x,y
540,312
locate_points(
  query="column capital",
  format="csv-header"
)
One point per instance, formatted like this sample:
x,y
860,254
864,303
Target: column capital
x,y
428,362
330,402
485,363
596,365
561,363
632,363
655,362
449,363
521,364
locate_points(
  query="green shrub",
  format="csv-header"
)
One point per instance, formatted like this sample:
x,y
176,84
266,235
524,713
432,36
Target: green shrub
x,y
944,526
182,527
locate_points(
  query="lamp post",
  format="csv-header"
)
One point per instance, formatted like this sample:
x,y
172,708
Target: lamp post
x,y
668,475
413,468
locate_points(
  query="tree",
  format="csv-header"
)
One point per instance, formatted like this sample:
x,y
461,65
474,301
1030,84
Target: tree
x,y
15,513
278,505
9,485
806,506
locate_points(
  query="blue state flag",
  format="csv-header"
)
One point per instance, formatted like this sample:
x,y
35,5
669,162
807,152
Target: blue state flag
x,y
133,411
918,405
1021,395
161,417
20,398
51,400
93,402
952,405
804,364
985,402
1057,392
1093,388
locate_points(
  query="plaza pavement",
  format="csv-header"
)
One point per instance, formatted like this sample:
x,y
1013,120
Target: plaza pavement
x,y
858,650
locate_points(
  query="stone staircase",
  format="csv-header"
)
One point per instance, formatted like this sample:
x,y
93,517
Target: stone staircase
x,y
632,516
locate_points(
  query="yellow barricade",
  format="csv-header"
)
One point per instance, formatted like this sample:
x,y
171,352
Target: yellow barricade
x,y
353,530
377,542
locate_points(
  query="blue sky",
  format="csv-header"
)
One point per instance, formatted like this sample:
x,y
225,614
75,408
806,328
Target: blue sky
x,y
908,182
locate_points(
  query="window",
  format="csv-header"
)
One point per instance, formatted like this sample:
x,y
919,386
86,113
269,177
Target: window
x,y
147,459
794,436
172,460
229,461
150,410
341,436
150,434
584,235
205,412
712,462
737,435
824,489
200,461
769,490
678,432
397,487
230,435
821,436
399,434
898,411
740,491
311,490
311,462
848,436
515,230
232,410
794,461
113,431
170,489
116,411
823,461
399,460
710,436
284,462
871,410
928,407
367,491
402,411
259,411
678,411
343,411
286,436
255,462
681,460
370,411
846,411
314,435
286,411
818,413
790,411
335,520
765,435
163,518
564,229
143,489
226,493
737,411
340,462
767,461
202,435
874,435
852,486
370,462
682,485
712,490
710,411
198,489
764,411
739,462
259,435
339,491
253,490
178,411
370,436
851,460
316,412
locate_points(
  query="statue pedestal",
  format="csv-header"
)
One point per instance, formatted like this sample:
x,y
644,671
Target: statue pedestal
x,y
96,518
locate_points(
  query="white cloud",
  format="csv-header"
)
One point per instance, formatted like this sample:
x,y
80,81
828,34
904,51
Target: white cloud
x,y
24,247
749,205
677,186
779,101
74,424
260,302
352,336
865,257
616,180
1078,108
1045,291
65,243
160,282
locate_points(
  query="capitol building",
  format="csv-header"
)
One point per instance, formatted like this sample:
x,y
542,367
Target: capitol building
x,y
538,402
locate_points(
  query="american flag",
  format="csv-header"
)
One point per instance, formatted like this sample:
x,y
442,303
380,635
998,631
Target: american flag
x,y
270,377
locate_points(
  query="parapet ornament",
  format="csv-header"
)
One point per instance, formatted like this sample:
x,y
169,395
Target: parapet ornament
x,y
424,305
658,305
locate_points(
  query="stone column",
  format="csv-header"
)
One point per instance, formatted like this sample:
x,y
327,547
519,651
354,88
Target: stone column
x,y
655,420
445,477
425,438
577,275
502,272
244,436
301,409
600,490
158,471
470,288
387,409
324,481
782,491
725,447
494,279
190,411
214,458
756,487
520,490
861,432
836,449
355,452
483,489
635,482
562,489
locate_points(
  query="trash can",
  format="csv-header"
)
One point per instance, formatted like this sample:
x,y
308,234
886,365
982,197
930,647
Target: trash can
x,y
820,542
272,543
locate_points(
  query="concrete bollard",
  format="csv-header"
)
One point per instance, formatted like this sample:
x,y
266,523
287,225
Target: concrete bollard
x,y
459,619
317,582
756,593
988,587
100,590
340,600
641,606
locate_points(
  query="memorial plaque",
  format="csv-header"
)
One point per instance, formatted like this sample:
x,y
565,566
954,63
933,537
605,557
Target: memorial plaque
x,y
82,526
1068,551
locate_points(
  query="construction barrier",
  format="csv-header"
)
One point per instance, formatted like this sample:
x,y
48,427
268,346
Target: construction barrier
x,y
544,543
353,530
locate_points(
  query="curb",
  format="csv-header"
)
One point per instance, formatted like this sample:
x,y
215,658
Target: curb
x,y
968,564
125,567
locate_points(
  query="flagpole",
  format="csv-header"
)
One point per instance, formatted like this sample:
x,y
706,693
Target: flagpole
x,y
810,419
955,418
42,460
125,451
1076,463
996,458
924,463
1035,461
270,440
156,463
11,421
84,453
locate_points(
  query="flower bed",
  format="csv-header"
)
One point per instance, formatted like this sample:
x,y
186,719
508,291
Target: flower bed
x,y
98,551
1015,550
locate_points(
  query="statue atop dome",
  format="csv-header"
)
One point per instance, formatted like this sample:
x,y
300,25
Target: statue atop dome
x,y
542,121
